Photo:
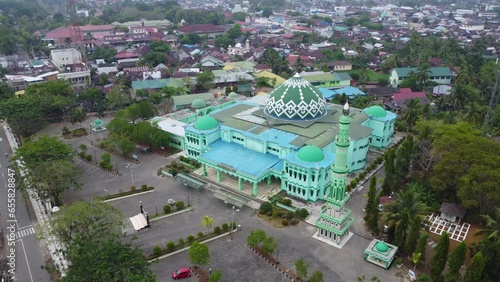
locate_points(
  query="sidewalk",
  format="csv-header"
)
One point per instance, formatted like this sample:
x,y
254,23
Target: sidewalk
x,y
55,247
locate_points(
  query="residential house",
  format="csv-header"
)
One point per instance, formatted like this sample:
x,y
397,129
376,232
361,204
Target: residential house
x,y
69,63
339,66
226,78
382,93
202,29
278,80
327,79
157,84
440,75
185,101
399,99
210,61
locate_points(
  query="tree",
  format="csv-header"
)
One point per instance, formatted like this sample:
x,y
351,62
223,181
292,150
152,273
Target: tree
x,y
266,12
125,145
234,32
262,82
390,171
490,252
154,58
207,222
77,116
415,259
256,237
84,222
204,80
316,276
159,46
44,150
422,246
413,235
455,262
301,268
6,91
25,114
370,203
107,260
492,230
438,261
55,177
373,222
146,109
103,79
475,270
198,253
268,245
411,113
215,276
401,213
116,98
120,127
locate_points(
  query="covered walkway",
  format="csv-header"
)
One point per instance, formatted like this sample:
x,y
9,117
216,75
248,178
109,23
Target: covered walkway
x,y
189,181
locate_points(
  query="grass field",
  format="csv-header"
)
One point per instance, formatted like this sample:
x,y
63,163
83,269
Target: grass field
x,y
373,75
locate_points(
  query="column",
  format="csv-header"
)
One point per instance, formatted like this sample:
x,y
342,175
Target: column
x,y
254,190
269,180
240,187
218,175
204,170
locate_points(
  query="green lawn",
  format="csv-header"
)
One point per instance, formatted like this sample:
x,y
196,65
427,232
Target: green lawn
x,y
373,75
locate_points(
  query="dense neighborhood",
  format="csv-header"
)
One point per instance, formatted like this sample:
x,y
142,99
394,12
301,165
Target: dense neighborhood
x,y
231,140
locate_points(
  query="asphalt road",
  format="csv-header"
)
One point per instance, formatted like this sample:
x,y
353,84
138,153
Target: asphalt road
x,y
29,253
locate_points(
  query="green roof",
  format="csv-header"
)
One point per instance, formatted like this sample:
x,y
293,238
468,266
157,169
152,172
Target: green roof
x,y
310,154
198,104
183,100
318,77
158,84
156,120
435,71
232,95
206,123
296,99
98,121
376,111
341,76
381,247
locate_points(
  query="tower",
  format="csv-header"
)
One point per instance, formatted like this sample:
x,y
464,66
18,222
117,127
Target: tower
x,y
334,220
74,31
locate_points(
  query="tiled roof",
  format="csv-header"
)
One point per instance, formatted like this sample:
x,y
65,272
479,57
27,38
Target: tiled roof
x,y
406,93
201,28
436,71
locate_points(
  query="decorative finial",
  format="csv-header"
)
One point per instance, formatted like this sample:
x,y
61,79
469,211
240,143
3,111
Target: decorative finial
x,y
346,108
297,75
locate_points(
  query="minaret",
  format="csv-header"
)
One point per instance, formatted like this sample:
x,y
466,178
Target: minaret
x,y
334,221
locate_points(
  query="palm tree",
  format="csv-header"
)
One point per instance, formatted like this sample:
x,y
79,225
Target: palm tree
x,y
415,259
411,113
473,113
422,76
459,96
207,222
401,213
492,230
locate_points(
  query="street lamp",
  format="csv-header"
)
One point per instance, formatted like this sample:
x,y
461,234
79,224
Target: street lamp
x,y
131,172
234,211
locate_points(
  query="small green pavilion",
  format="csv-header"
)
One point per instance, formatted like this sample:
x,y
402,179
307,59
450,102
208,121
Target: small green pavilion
x,y
380,253
98,125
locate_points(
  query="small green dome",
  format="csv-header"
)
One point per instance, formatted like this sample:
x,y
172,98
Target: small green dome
x,y
206,123
381,247
156,120
310,154
376,111
198,104
232,95
98,121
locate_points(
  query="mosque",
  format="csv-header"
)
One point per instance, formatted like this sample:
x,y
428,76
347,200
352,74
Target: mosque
x,y
289,134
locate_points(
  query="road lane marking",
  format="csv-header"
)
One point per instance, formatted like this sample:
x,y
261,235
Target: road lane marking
x,y
27,262
3,175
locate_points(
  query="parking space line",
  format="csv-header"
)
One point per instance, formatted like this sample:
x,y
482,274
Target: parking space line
x,y
27,262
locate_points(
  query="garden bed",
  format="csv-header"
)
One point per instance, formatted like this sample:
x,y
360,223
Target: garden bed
x,y
135,161
112,172
127,193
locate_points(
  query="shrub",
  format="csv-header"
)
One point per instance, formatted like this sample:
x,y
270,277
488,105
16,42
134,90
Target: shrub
x,y
190,239
276,213
269,213
217,230
294,221
354,183
156,250
362,175
284,222
103,164
109,167
79,132
179,205
132,188
144,186
289,215
200,234
225,227
357,179
348,187
170,246
233,224
82,155
302,213
65,130
181,241
167,209
265,207
286,202
150,188
88,157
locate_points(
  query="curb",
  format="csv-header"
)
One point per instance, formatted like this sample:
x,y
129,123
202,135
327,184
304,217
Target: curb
x,y
187,248
129,196
273,264
171,214
114,173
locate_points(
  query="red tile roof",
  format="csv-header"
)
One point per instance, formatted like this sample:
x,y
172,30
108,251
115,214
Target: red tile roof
x,y
201,28
406,93
126,55
102,27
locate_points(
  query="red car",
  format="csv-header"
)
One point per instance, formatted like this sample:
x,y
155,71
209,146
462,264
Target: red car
x,y
181,273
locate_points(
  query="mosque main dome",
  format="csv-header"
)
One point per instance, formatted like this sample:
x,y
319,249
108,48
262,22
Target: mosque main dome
x,y
296,99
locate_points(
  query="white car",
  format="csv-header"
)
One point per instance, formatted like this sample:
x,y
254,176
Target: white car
x,y
171,202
